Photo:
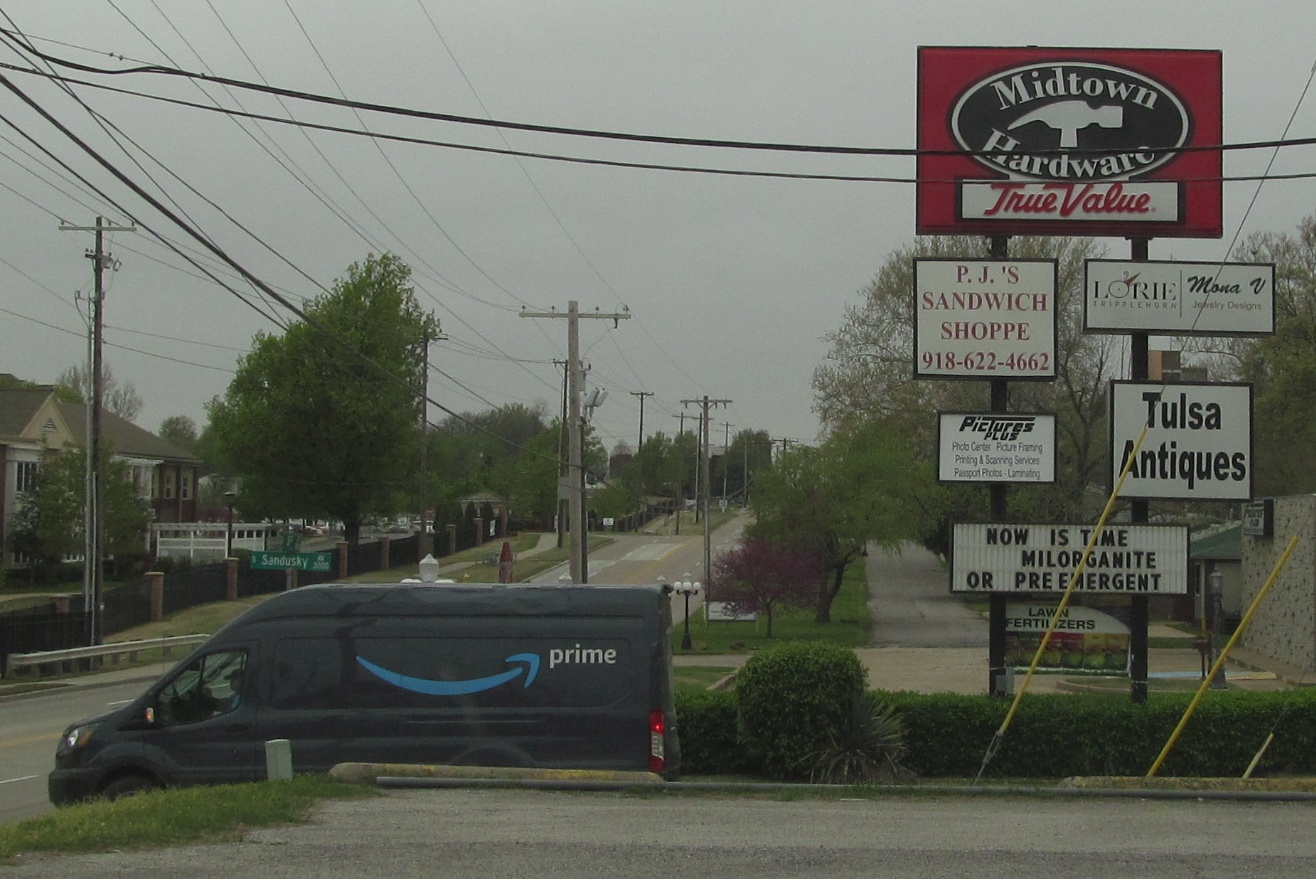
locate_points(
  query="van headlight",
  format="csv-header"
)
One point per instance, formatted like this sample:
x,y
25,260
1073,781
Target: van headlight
x,y
78,736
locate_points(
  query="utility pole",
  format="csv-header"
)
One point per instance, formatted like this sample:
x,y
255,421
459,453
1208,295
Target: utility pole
x,y
641,395
705,405
563,465
576,424
425,543
726,455
93,576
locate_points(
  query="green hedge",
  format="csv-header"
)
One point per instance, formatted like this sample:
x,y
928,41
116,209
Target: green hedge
x,y
792,698
1055,736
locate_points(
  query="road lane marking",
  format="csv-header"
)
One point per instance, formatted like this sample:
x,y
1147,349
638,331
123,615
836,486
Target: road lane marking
x,y
14,743
22,778
651,552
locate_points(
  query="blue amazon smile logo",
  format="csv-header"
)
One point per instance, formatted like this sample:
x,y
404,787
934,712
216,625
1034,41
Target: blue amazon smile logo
x,y
458,688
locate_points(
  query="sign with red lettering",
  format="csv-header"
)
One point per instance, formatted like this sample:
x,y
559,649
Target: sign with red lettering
x,y
1038,141
985,319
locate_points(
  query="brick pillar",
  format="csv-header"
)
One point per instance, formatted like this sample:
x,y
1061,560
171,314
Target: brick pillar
x,y
383,554
342,559
231,580
452,539
479,531
156,581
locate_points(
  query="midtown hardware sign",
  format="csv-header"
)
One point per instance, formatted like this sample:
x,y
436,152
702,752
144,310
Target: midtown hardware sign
x,y
1069,141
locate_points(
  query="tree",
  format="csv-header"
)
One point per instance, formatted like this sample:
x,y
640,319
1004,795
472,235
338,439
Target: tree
x,y
763,577
323,420
864,484
1281,367
48,526
181,431
869,374
74,386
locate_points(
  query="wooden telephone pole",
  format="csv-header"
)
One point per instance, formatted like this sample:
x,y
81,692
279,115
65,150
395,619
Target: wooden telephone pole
x,y
576,426
93,577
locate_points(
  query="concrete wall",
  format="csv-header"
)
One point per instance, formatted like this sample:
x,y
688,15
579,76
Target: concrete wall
x,y
1284,627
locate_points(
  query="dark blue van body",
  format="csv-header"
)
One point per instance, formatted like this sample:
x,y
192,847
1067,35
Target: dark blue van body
x,y
557,677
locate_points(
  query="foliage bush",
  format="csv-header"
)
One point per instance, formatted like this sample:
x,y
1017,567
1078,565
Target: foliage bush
x,y
1056,736
790,700
865,749
1052,736
706,726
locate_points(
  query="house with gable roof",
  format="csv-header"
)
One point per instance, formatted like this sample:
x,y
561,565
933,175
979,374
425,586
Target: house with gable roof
x,y
34,423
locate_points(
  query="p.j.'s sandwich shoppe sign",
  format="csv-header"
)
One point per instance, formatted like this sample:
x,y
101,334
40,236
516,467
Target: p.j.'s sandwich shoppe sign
x,y
1039,141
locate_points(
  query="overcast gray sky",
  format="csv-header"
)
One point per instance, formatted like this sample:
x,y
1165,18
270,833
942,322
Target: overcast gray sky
x,y
731,282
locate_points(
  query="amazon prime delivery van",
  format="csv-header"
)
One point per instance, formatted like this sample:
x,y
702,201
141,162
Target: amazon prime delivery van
x,y
556,677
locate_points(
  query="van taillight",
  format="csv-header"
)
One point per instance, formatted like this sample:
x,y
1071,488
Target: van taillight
x,y
657,741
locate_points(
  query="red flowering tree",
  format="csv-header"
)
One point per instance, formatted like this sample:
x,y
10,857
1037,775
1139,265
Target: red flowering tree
x,y
762,577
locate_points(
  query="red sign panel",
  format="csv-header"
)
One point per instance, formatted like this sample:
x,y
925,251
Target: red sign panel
x,y
1036,141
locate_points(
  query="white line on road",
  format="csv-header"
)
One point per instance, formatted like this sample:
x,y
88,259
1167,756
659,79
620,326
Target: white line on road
x,y
23,778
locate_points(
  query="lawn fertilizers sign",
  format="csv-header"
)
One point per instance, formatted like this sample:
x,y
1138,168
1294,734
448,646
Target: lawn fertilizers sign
x,y
1198,444
984,319
1036,141
1127,559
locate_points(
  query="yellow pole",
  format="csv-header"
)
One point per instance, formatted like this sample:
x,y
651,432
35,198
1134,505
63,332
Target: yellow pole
x,y
1224,654
1069,589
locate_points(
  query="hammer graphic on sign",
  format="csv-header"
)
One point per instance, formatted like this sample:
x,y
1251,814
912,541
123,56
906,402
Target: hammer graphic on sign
x,y
1068,117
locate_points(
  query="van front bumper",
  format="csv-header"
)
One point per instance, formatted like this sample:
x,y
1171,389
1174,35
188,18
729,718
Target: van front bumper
x,y
65,786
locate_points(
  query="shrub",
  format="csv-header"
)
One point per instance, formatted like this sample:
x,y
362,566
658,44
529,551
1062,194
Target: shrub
x,y
865,749
791,700
1057,736
706,725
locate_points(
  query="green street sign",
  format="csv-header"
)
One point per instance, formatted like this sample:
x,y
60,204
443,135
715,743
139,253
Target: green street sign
x,y
292,561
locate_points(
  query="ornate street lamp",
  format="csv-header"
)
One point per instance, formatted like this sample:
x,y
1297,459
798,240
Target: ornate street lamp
x,y
685,588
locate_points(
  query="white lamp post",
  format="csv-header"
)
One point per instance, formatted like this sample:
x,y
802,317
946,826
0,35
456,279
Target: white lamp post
x,y
685,588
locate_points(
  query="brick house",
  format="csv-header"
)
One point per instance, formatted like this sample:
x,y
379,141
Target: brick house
x,y
34,423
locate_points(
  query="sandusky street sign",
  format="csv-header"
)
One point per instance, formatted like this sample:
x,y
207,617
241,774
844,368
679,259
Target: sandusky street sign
x,y
293,561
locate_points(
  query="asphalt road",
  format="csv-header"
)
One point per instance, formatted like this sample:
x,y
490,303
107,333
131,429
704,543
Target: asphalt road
x,y
517,834
29,727
909,595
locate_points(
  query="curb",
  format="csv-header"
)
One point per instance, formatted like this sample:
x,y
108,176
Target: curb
x,y
398,774
589,783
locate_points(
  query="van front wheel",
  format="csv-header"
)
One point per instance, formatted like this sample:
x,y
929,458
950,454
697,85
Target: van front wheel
x,y
129,785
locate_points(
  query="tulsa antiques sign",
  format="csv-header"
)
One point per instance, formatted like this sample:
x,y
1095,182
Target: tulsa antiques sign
x,y
1198,444
1048,141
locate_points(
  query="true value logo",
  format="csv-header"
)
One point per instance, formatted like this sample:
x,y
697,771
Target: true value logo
x,y
1071,138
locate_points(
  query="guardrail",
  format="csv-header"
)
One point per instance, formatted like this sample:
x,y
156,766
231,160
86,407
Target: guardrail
x,y
63,659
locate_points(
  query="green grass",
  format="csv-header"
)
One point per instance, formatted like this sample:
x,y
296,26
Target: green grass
x,y
848,628
172,817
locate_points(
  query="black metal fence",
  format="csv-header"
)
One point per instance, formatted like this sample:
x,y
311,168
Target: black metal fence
x,y
43,628
37,629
